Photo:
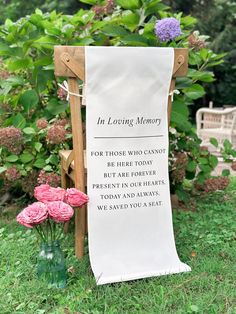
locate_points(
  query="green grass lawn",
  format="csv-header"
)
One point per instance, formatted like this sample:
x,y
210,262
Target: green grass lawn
x,y
205,239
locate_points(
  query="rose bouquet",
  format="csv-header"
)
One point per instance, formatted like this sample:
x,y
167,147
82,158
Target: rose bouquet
x,y
47,216
54,207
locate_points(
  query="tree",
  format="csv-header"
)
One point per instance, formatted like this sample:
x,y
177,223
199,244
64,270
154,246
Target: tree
x,y
16,9
216,18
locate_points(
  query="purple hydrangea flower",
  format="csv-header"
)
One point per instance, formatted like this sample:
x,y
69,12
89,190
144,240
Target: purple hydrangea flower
x,y
167,29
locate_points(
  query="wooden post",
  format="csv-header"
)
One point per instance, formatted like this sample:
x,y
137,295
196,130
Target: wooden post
x,y
76,122
64,185
172,87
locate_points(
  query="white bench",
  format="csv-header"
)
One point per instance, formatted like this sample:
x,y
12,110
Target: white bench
x,y
217,123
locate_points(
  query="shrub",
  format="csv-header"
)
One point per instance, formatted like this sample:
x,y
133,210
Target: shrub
x,y
29,97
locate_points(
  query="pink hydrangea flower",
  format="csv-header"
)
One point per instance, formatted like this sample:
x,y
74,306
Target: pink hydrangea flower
x,y
50,178
60,211
75,197
12,139
56,134
33,215
45,193
42,123
61,93
12,174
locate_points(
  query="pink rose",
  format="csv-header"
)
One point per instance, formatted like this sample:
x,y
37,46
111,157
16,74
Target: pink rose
x,y
33,215
45,193
60,211
75,197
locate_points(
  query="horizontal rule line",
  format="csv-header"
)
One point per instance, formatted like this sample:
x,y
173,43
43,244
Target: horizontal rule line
x,y
112,137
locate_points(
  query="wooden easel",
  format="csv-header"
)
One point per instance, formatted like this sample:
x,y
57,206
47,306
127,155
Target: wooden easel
x,y
70,62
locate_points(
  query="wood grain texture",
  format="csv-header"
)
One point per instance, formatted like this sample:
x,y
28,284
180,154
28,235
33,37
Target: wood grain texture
x,y
76,122
172,87
77,61
181,62
76,53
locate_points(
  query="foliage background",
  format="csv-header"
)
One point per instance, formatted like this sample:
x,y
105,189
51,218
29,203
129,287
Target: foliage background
x,y
215,18
29,88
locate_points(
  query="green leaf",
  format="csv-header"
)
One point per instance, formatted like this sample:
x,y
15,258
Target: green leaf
x,y
92,2
114,30
214,142
38,146
183,196
20,64
135,40
37,20
4,49
43,61
218,56
15,81
213,64
205,168
39,12
29,99
53,159
194,92
42,78
180,107
194,58
188,20
83,42
39,163
29,131
5,88
205,76
12,158
49,67
213,161
47,42
180,121
56,107
19,121
225,172
53,31
154,7
191,166
2,169
130,20
26,157
182,82
203,160
204,54
48,168
227,145
201,176
129,4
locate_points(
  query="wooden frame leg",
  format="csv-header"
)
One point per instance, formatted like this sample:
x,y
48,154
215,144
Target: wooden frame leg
x,y
64,184
80,231
79,176
172,87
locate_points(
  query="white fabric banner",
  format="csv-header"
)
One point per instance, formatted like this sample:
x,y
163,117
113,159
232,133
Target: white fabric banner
x,y
129,211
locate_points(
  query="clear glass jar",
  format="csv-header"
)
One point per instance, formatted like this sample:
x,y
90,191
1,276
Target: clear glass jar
x,y
51,264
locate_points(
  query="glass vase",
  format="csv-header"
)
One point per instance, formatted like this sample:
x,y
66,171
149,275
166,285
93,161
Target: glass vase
x,y
51,264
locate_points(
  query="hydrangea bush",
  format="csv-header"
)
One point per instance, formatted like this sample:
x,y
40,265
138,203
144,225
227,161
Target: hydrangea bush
x,y
34,112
